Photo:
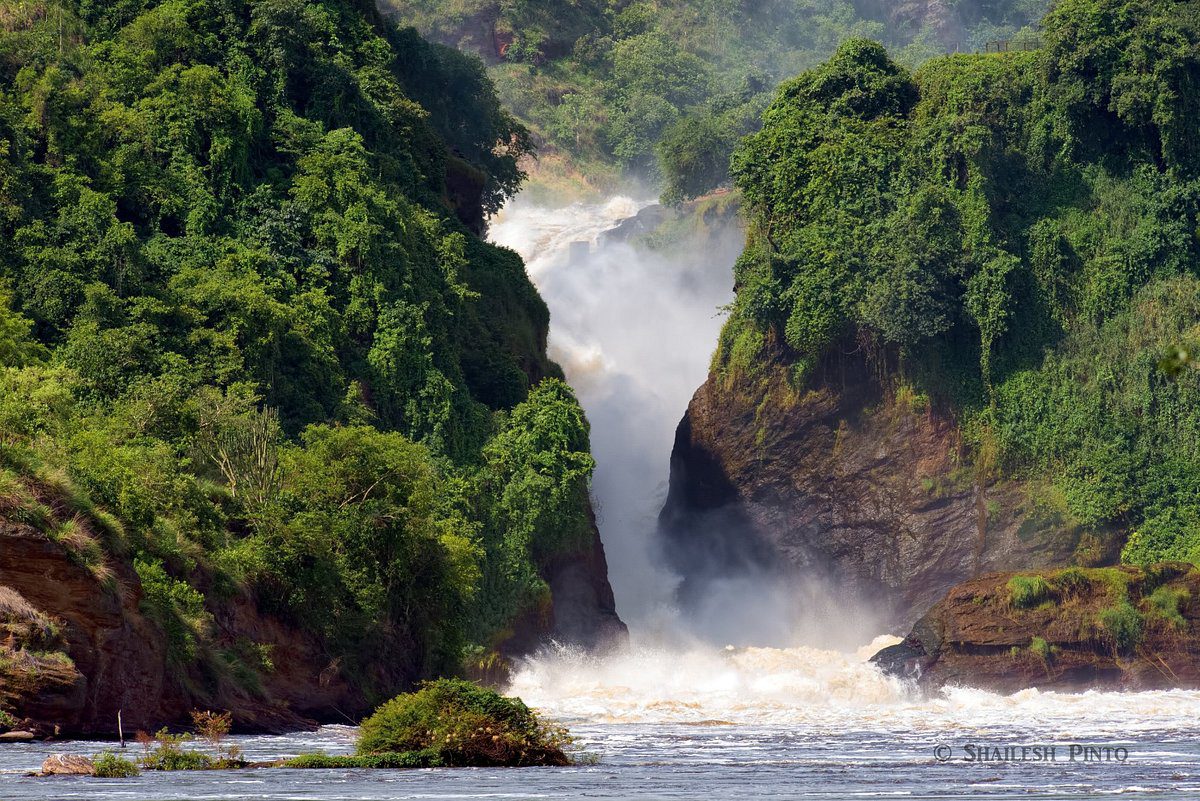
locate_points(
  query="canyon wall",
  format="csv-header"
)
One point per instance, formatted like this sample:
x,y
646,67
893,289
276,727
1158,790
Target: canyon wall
x,y
851,483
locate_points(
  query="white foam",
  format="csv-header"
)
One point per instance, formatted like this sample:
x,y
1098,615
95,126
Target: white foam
x,y
813,687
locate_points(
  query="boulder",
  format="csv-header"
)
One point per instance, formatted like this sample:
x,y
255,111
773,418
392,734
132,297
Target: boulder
x,y
16,737
68,765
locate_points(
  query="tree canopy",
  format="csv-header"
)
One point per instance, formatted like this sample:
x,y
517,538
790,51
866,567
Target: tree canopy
x,y
663,89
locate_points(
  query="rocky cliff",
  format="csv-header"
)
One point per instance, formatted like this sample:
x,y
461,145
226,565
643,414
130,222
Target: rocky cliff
x,y
379,476
856,479
1116,628
76,647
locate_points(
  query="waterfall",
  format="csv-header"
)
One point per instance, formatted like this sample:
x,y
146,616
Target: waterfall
x,y
634,329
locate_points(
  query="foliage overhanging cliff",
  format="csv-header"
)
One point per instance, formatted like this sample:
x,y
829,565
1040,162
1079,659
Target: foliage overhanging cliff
x,y
252,349
1011,241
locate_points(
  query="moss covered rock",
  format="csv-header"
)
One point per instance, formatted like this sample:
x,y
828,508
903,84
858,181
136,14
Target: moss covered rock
x,y
1119,628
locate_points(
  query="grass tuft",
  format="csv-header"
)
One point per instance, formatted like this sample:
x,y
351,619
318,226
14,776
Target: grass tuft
x,y
1123,624
1164,604
1026,592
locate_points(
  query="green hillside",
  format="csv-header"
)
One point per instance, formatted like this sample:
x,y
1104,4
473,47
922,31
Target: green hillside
x,y
250,341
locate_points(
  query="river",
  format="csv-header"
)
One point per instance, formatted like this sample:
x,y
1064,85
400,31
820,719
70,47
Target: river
x,y
679,714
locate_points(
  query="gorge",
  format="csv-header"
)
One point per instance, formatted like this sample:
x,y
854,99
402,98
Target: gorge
x,y
848,420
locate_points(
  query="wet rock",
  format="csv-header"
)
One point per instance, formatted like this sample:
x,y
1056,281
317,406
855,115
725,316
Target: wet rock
x,y
16,737
642,223
844,480
583,611
68,765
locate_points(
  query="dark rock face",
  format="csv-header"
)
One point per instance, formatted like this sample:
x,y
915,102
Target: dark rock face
x,y
583,611
642,223
850,483
975,636
942,18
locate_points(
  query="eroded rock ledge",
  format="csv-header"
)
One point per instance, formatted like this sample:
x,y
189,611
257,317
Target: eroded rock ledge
x,y
76,647
1120,628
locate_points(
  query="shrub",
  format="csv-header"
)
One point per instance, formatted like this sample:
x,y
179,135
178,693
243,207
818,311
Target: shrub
x,y
168,753
110,766
1040,648
213,727
462,724
1026,592
172,759
1123,624
1163,604
428,758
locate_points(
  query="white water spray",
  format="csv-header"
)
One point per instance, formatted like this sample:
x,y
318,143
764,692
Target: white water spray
x,y
822,692
634,330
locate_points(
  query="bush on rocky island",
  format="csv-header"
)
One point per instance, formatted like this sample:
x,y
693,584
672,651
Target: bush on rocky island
x,y
464,725
110,766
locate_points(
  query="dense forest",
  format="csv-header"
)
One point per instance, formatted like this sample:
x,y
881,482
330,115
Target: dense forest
x,y
250,341
663,89
1013,238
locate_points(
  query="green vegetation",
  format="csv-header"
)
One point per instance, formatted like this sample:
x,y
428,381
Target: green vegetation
x,y
1117,607
1016,231
408,759
1026,592
250,344
458,723
110,766
1041,649
1165,605
665,88
447,723
450,723
1123,624
165,751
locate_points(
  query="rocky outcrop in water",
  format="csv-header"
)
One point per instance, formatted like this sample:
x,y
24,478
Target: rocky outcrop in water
x,y
583,612
850,480
1114,628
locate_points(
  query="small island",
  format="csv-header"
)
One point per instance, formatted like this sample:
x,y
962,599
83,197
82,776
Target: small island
x,y
445,723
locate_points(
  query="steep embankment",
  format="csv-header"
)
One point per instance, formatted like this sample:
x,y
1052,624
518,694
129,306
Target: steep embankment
x,y
845,482
77,650
1115,628
278,430
946,354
